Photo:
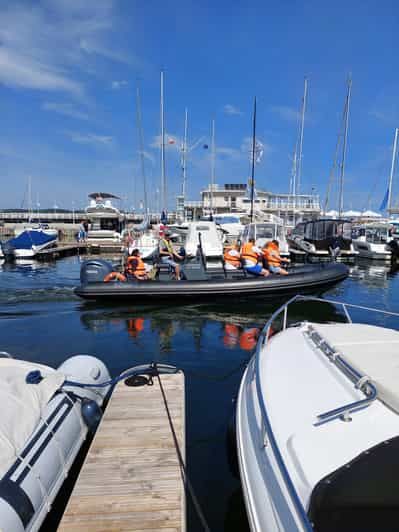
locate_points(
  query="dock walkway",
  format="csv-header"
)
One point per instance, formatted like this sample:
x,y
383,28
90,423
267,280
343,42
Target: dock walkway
x,y
131,478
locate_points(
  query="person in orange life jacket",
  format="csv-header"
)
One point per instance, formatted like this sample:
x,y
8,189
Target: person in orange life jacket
x,y
232,257
271,252
167,254
251,255
136,267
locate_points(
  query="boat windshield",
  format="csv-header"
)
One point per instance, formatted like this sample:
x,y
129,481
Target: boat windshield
x,y
374,235
226,220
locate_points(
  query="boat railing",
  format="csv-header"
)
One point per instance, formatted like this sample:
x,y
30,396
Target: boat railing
x,y
362,383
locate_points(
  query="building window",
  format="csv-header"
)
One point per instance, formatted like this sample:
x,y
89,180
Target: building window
x,y
226,199
233,201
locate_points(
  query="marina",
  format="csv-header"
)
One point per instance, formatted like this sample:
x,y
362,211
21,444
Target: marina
x,y
212,344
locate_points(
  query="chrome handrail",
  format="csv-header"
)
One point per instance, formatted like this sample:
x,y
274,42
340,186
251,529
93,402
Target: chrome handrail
x,y
365,385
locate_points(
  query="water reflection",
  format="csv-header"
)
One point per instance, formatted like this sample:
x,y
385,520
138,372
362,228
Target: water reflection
x,y
374,274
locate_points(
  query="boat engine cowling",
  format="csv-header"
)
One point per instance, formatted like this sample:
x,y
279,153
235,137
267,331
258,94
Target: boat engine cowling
x,y
94,271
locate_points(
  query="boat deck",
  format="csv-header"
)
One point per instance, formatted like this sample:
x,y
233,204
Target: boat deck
x,y
131,478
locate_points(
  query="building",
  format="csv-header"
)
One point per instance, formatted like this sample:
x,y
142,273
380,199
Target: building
x,y
236,198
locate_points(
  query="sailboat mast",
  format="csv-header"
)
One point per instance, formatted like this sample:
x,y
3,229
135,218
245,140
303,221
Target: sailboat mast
x,y
184,154
213,162
29,199
163,173
299,171
341,183
141,145
253,162
394,153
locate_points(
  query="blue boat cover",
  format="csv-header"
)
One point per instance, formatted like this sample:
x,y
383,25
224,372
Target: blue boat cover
x,y
27,239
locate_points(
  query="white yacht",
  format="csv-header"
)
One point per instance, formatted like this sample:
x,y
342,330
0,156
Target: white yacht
x,y
272,228
106,221
317,426
372,241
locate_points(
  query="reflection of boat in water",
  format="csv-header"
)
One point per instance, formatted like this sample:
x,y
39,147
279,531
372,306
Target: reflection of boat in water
x,y
372,274
202,284
235,336
317,426
44,422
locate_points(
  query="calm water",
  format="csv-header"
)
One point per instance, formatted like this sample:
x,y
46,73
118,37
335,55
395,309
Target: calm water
x,y
44,322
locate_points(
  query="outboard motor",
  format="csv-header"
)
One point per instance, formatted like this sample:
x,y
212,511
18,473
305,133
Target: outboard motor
x,y
8,250
94,271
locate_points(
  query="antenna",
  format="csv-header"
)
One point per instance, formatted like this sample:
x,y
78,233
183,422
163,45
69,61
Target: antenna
x,y
253,161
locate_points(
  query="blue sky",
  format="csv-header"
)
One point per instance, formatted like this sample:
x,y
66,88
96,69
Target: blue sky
x,y
69,71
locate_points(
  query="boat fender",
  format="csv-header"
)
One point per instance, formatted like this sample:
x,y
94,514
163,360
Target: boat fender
x,y
91,413
117,276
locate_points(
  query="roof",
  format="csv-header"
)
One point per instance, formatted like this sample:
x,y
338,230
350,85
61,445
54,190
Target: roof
x,y
103,195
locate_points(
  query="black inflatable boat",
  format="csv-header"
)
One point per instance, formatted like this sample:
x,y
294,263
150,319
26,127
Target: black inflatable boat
x,y
201,284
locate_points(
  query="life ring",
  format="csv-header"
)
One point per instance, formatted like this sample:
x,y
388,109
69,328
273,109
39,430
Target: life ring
x,y
117,276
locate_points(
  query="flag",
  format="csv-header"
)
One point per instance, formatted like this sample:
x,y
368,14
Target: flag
x,y
171,141
205,146
164,217
259,149
384,202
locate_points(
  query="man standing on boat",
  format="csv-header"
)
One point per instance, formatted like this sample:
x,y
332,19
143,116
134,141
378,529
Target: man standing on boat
x,y
167,254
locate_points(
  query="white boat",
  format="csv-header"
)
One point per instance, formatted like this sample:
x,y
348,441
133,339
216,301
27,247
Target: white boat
x,y
42,428
271,229
372,241
27,244
231,224
317,426
206,234
106,221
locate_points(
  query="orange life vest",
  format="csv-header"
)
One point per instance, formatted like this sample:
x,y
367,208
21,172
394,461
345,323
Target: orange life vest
x,y
272,253
114,276
231,259
248,253
136,266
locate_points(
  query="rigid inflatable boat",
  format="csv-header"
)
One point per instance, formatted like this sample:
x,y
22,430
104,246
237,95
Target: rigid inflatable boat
x,y
43,425
317,425
210,284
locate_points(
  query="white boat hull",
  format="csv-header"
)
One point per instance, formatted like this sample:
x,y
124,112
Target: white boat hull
x,y
369,250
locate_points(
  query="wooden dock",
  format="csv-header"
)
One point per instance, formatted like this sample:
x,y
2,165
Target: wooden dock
x,y
131,479
66,250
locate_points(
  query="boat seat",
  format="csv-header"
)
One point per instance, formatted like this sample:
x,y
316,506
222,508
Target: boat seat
x,y
372,351
164,271
194,271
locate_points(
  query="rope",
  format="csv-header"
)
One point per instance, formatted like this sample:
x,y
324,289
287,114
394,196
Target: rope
x,y
186,481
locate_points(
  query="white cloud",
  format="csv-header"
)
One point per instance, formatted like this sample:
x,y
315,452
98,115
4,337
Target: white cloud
x,y
289,114
116,85
66,109
46,45
229,109
91,138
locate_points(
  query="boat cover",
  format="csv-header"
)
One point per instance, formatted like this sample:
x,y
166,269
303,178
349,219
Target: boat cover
x,y
22,405
371,351
27,239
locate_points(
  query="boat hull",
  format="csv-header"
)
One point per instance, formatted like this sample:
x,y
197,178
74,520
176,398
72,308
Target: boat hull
x,y
307,279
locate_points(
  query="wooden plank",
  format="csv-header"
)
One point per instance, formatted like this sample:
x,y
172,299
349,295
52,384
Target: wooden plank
x,y
131,479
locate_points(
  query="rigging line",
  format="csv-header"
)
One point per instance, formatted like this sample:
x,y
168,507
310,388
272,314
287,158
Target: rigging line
x,y
186,480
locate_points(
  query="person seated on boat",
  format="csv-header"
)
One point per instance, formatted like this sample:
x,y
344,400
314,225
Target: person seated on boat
x,y
167,254
136,267
232,257
251,256
271,254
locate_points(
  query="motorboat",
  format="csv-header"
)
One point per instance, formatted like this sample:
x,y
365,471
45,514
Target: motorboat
x,y
27,244
323,239
372,241
45,420
203,283
231,224
317,424
146,242
105,220
204,234
272,229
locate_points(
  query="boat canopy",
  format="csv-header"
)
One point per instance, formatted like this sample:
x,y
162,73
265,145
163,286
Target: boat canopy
x,y
326,228
102,196
28,239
